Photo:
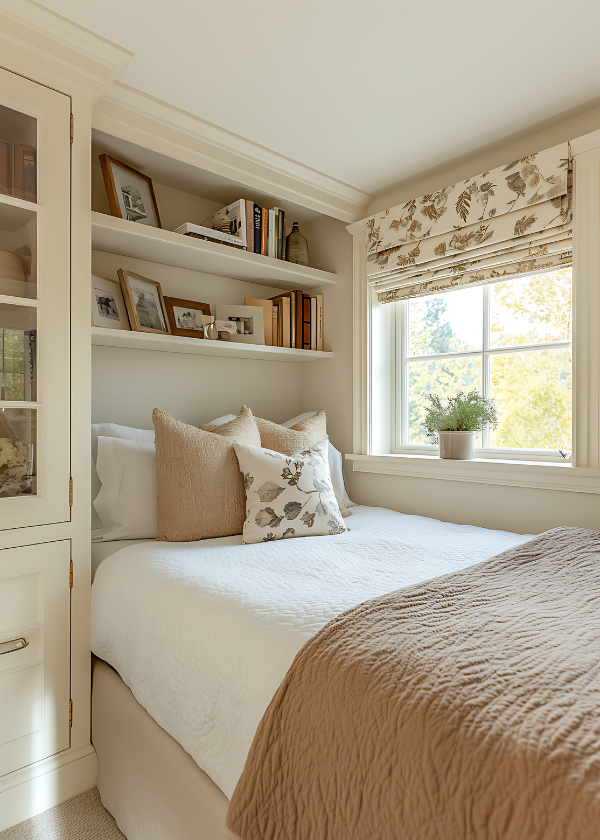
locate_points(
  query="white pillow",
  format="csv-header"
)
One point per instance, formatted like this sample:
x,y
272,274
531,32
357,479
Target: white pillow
x,y
335,462
126,503
287,496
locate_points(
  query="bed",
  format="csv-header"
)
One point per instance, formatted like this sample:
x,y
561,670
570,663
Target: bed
x,y
193,639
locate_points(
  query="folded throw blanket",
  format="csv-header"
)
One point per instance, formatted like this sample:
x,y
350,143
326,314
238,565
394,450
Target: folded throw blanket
x,y
464,707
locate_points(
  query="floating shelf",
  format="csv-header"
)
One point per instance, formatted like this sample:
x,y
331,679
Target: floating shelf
x,y
201,347
118,236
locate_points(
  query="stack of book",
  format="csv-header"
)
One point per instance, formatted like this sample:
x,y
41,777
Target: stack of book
x,y
292,319
244,225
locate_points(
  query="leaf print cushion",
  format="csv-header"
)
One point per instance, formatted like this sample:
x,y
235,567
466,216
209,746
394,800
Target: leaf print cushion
x,y
288,495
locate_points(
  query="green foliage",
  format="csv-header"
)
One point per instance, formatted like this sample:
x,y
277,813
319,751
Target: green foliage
x,y
462,413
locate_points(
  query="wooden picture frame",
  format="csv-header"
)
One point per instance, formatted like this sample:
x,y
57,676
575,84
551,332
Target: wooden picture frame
x,y
121,196
153,310
173,304
108,310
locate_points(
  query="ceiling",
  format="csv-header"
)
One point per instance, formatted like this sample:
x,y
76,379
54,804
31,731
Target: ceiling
x,y
369,94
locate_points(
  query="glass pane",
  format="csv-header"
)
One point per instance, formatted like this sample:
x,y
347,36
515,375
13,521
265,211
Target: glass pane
x,y
18,380
446,323
18,240
531,310
18,139
444,377
18,452
533,396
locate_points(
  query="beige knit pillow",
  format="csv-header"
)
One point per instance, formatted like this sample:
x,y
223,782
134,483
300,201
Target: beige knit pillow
x,y
288,441
200,489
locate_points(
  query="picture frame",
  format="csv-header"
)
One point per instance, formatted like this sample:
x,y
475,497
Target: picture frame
x,y
108,306
249,320
130,193
184,316
145,303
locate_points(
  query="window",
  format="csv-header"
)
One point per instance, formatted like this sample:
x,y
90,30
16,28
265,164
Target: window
x,y
510,341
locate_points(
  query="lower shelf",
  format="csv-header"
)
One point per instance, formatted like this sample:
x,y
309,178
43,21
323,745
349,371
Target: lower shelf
x,y
201,347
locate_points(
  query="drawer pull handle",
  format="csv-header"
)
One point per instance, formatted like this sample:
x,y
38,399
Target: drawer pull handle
x,y
13,645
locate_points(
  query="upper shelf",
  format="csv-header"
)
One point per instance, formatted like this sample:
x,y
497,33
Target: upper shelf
x,y
118,236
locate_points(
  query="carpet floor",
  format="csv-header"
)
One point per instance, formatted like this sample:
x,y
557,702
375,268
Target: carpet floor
x,y
82,818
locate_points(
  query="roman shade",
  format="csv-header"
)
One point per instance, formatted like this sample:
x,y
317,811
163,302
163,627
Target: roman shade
x,y
513,220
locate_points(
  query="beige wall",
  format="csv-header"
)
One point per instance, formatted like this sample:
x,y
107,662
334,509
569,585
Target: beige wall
x,y
328,384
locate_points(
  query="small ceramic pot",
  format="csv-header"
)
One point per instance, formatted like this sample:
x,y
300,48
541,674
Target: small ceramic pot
x,y
459,446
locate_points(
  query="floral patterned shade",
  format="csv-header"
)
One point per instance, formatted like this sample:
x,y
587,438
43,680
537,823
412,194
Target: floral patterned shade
x,y
507,219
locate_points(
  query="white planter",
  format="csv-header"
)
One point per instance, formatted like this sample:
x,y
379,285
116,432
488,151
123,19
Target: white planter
x,y
460,446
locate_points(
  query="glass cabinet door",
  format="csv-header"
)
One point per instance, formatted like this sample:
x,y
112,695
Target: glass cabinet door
x,y
35,151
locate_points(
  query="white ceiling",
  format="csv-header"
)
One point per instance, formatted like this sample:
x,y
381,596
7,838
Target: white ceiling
x,y
369,93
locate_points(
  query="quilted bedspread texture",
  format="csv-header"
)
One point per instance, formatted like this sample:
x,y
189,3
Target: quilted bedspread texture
x,y
459,708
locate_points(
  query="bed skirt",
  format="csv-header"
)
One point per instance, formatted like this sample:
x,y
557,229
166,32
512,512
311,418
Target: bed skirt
x,y
147,781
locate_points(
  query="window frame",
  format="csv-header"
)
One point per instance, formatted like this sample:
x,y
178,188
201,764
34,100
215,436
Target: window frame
x,y
400,399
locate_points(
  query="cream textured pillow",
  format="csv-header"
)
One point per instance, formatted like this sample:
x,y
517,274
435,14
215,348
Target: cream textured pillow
x,y
289,441
200,490
288,496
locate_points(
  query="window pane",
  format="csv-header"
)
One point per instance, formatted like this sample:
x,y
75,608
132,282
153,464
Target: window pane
x,y
446,323
444,377
17,452
18,138
18,234
533,396
531,310
18,379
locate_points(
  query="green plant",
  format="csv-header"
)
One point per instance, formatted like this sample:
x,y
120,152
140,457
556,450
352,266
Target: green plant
x,y
463,413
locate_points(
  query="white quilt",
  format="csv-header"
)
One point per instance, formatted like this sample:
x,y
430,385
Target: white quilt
x,y
203,634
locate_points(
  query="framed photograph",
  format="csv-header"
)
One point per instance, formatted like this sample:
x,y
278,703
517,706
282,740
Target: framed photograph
x,y
130,193
108,306
185,316
248,320
145,303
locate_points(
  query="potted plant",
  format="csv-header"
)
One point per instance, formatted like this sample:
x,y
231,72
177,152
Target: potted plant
x,y
457,423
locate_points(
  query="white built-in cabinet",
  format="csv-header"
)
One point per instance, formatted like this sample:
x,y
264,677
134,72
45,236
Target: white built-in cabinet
x,y
35,468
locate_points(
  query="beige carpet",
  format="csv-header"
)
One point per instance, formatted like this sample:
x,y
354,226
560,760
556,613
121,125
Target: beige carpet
x,y
82,818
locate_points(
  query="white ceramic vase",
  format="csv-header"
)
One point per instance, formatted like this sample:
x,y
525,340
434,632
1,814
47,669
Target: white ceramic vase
x,y
460,446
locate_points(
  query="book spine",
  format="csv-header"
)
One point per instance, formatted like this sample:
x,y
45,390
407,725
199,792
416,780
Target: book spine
x,y
287,326
279,234
257,228
306,322
249,225
313,322
283,241
275,326
299,319
293,318
280,323
275,231
271,234
265,222
319,322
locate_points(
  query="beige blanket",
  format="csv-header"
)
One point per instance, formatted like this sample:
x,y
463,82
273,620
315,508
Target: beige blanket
x,y
464,707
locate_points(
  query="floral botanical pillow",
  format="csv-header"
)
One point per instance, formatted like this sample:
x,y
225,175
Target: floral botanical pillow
x,y
288,495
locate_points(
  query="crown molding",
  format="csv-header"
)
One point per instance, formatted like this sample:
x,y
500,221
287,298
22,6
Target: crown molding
x,y
140,118
36,42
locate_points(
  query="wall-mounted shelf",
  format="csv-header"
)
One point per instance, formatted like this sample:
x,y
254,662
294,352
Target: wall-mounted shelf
x,y
201,347
141,242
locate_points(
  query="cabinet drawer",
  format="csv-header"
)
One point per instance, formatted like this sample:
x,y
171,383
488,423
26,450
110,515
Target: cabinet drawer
x,y
34,674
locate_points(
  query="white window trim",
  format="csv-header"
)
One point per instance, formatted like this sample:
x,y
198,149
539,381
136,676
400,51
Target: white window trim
x,y
373,373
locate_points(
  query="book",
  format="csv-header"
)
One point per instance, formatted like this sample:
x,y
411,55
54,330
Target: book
x,y
23,172
267,305
313,322
271,233
299,318
265,225
249,225
257,228
284,240
227,225
293,297
283,303
274,328
278,240
5,168
305,322
319,322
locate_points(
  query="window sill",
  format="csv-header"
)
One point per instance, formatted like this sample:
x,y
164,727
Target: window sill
x,y
533,474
